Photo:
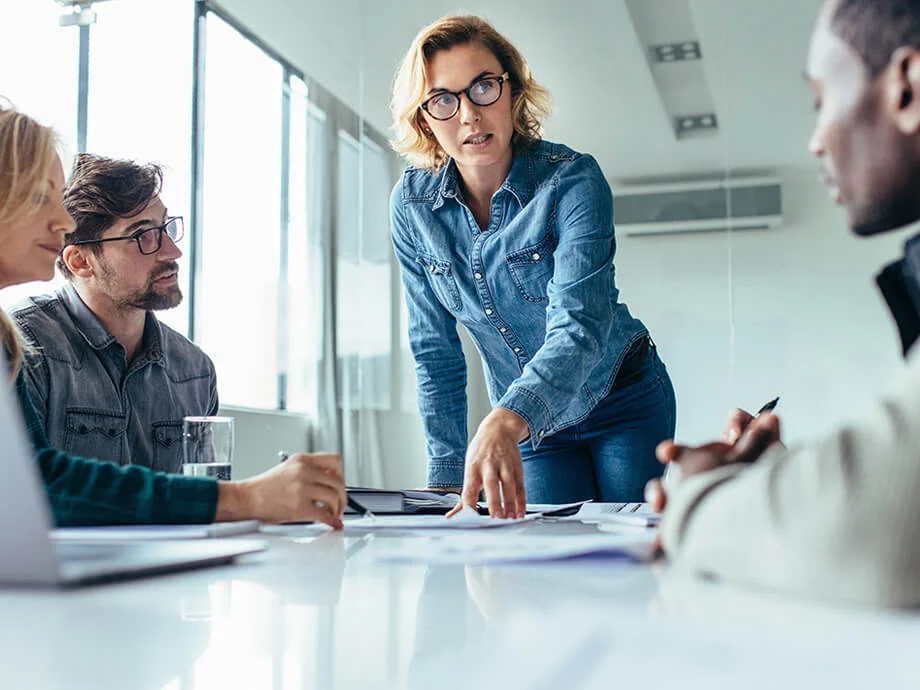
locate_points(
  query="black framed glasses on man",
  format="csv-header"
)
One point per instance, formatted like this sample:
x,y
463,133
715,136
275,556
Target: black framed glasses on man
x,y
149,240
484,90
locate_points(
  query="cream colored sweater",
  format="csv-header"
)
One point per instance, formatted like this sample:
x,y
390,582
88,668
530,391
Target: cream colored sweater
x,y
838,519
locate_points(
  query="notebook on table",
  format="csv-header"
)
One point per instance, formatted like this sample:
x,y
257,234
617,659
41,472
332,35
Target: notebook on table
x,y
30,558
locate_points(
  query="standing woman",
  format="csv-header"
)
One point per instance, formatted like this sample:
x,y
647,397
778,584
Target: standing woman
x,y
513,236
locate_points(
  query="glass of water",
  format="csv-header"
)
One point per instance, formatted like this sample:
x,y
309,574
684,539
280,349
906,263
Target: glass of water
x,y
207,446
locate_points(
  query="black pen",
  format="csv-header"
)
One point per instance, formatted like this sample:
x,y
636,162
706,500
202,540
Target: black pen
x,y
352,503
768,407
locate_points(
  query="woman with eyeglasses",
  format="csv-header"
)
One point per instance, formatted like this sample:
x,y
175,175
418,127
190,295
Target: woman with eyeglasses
x,y
513,237
33,223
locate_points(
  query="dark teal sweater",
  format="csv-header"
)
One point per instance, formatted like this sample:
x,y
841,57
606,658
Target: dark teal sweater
x,y
92,492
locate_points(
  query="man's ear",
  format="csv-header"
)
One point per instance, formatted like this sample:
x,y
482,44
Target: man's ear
x,y
902,90
75,258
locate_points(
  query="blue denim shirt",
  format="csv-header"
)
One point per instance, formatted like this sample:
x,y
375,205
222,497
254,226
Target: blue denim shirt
x,y
535,290
93,403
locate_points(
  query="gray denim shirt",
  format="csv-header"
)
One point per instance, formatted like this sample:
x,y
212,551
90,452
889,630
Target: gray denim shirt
x,y
93,402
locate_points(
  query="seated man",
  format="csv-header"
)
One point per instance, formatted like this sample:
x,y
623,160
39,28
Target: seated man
x,y
838,518
106,377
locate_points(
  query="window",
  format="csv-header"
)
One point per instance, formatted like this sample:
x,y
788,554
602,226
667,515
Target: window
x,y
363,274
42,84
140,101
288,194
237,310
305,274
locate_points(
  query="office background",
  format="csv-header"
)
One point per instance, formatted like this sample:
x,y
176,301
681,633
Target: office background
x,y
271,118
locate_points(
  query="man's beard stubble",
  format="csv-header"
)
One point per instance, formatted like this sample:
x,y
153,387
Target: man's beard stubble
x,y
149,298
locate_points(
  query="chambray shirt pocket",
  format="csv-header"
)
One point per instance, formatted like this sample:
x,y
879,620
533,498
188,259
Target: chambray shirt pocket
x,y
532,268
442,281
95,434
167,446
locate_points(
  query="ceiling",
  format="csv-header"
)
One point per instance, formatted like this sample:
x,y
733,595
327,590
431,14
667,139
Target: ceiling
x,y
588,53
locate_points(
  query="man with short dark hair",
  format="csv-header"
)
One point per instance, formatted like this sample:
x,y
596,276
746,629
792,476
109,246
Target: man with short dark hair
x,y
106,377
839,518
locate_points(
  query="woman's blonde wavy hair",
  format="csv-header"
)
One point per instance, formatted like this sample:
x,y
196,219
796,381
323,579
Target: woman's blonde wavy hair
x,y
28,152
530,104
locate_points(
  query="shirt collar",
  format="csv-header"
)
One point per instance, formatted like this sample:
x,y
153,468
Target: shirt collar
x,y
99,338
899,283
519,182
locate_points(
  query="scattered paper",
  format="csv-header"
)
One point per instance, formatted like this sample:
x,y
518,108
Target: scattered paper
x,y
467,518
593,513
481,549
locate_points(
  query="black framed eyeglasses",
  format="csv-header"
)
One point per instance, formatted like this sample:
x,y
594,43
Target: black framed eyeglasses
x,y
149,240
484,91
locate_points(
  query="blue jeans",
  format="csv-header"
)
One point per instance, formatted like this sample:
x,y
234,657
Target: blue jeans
x,y
611,454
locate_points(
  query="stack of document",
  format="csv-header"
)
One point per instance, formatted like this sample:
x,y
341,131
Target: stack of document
x,y
638,514
384,502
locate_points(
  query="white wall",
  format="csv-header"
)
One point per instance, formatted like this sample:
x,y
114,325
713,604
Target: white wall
x,y
809,323
259,435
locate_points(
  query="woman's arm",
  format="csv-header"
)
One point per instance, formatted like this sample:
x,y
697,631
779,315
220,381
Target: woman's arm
x,y
580,311
440,367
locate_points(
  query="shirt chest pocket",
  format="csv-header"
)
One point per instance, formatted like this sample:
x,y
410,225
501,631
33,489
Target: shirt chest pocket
x,y
95,434
441,279
532,268
167,446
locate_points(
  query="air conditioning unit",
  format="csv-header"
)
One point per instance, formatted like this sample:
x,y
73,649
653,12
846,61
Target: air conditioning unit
x,y
713,205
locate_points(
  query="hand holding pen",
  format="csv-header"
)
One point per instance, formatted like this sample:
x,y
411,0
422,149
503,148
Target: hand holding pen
x,y
745,441
738,421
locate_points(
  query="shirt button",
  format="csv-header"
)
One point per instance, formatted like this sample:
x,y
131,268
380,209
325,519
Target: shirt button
x,y
554,157
535,256
540,433
517,349
431,268
488,312
477,276
502,329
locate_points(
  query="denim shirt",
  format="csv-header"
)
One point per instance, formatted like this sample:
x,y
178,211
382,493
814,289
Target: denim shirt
x,y
535,290
95,404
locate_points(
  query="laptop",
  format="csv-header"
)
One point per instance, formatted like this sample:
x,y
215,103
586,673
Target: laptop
x,y
29,557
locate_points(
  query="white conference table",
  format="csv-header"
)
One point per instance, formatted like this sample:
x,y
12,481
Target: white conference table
x,y
321,612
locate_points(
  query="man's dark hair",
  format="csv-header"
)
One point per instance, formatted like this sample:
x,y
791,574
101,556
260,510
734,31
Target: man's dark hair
x,y
102,190
877,28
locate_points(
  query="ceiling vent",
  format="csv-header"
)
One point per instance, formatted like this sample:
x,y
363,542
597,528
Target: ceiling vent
x,y
715,205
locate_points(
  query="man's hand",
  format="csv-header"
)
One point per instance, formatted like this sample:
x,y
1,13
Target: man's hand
x,y
738,421
758,435
307,486
493,462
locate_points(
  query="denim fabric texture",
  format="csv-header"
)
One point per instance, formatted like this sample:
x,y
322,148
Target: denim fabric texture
x,y
609,456
93,403
536,290
90,492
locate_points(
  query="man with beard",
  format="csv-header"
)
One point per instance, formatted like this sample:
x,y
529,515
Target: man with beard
x,y
837,518
106,377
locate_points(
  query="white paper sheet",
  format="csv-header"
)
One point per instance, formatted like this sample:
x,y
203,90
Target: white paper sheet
x,y
465,519
639,514
482,549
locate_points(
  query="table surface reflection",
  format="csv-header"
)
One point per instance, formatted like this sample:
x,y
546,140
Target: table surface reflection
x,y
322,612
